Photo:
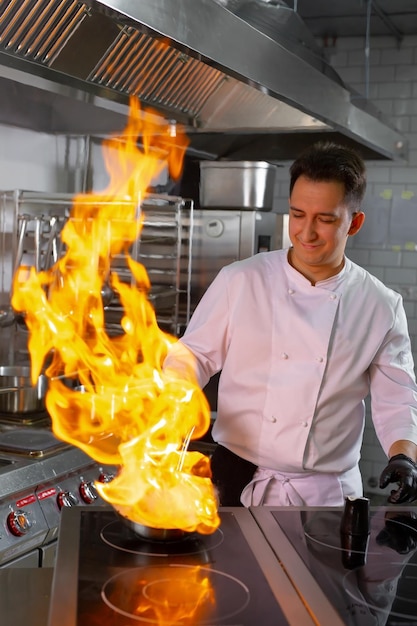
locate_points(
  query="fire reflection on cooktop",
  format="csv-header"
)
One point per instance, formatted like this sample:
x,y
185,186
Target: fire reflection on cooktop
x,y
118,535
175,594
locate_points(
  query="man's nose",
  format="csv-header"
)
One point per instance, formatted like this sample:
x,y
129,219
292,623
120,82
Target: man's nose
x,y
309,230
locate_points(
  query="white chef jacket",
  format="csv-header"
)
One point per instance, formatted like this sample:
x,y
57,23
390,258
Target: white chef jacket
x,y
298,360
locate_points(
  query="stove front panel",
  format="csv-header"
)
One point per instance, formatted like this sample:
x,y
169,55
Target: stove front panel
x,y
106,575
33,493
358,581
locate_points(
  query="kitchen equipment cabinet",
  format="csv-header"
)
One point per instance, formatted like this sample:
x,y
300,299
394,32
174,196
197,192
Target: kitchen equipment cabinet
x,y
222,236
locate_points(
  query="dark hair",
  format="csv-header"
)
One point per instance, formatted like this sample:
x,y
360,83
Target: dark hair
x,y
328,161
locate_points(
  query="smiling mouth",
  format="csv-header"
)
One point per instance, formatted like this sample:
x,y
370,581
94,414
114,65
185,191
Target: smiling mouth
x,y
309,246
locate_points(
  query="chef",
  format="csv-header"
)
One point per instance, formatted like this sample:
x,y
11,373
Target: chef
x,y
302,337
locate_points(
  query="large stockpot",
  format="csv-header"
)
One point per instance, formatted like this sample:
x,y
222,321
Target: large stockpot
x,y
17,394
237,184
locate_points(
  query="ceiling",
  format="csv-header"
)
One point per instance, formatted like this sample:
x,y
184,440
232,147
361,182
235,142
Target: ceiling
x,y
349,18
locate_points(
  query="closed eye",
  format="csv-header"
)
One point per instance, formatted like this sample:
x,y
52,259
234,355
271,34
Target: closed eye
x,y
327,220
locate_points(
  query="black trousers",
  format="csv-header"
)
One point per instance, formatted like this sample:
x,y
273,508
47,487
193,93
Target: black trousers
x,y
231,474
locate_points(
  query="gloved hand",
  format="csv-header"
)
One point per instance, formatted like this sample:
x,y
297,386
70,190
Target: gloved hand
x,y
399,533
402,470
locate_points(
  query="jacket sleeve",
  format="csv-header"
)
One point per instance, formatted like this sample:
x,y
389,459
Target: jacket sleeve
x,y
393,385
203,346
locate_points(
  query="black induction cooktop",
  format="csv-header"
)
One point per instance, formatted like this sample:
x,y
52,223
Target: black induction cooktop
x,y
370,582
106,575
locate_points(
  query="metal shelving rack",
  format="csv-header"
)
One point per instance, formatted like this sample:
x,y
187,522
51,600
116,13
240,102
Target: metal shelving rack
x,y
164,248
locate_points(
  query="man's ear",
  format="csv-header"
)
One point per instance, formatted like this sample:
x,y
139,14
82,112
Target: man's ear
x,y
356,224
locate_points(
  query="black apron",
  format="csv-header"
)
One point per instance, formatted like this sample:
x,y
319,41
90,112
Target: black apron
x,y
230,474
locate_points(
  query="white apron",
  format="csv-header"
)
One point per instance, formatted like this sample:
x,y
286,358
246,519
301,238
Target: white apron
x,y
271,488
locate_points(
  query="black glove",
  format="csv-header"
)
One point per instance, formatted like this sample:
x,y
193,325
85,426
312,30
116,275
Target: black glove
x,y
400,533
402,470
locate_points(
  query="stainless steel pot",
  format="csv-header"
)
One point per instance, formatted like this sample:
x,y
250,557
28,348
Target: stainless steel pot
x,y
17,394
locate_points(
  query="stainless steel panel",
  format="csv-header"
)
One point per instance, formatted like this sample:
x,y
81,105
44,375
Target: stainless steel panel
x,y
224,236
216,243
13,547
48,555
31,559
24,596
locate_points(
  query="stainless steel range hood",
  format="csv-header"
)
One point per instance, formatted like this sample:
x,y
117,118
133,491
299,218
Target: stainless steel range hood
x,y
70,67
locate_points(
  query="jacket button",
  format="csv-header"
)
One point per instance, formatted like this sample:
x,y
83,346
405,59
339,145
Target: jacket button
x,y
284,355
304,424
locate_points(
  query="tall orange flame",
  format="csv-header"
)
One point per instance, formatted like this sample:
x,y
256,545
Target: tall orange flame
x,y
127,411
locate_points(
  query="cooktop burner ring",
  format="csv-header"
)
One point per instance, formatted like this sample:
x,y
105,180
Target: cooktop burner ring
x,y
390,596
175,592
320,531
119,536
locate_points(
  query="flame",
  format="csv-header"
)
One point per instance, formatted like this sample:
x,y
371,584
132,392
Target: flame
x,y
127,411
163,595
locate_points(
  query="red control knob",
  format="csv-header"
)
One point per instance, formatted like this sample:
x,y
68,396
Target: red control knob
x,y
88,492
66,498
105,477
18,523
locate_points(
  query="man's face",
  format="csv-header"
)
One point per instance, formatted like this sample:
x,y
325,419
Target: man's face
x,y
319,224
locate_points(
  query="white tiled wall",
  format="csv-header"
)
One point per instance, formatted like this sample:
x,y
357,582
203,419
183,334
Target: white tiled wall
x,y
386,249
